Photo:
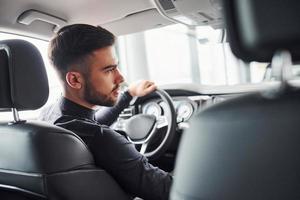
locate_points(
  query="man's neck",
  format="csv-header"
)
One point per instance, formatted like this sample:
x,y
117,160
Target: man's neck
x,y
78,100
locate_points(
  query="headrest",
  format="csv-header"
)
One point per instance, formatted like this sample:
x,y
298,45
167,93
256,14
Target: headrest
x,y
258,28
23,78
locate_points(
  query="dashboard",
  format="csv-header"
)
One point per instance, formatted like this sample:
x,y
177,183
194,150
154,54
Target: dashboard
x,y
187,103
188,100
186,106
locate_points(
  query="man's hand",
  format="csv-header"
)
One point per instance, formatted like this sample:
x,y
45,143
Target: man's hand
x,y
141,88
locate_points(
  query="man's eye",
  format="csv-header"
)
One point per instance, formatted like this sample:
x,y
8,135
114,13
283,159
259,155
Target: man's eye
x,y
111,69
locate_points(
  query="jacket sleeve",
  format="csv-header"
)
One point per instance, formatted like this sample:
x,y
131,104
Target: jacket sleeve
x,y
107,115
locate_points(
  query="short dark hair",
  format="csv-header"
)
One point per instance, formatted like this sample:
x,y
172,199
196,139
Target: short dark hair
x,y
74,43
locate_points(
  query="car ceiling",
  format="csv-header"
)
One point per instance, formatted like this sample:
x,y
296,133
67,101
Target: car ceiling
x,y
119,16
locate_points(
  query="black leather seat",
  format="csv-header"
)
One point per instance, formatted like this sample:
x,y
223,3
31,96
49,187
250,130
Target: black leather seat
x,y
37,160
248,147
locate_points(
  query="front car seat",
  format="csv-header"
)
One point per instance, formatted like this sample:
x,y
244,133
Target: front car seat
x,y
38,160
248,147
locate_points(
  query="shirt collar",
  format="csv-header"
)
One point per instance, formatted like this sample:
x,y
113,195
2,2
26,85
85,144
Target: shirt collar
x,y
69,107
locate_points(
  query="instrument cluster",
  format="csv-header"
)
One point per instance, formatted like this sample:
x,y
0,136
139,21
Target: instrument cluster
x,y
184,108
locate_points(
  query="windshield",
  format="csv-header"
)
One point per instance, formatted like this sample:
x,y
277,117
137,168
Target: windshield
x,y
176,54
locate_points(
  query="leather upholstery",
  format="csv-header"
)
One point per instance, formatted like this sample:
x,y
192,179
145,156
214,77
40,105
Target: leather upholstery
x,y
244,148
5,99
28,81
258,28
38,160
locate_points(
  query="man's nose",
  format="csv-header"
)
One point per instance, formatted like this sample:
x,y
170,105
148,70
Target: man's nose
x,y
119,77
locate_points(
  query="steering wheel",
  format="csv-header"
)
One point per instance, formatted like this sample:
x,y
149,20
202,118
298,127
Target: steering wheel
x,y
142,128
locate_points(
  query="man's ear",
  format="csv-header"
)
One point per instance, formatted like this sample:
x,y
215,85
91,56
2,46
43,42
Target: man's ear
x,y
74,80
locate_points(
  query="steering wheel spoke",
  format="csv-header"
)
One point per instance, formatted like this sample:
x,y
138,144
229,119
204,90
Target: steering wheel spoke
x,y
162,121
144,147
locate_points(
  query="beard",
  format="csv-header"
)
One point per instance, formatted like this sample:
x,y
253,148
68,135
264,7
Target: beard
x,y
96,98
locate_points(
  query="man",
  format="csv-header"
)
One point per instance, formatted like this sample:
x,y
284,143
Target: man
x,y
85,59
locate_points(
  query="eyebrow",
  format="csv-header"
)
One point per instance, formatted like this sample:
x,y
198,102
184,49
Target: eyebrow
x,y
110,66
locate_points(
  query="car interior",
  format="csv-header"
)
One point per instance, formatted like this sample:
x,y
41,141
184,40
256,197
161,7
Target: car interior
x,y
223,120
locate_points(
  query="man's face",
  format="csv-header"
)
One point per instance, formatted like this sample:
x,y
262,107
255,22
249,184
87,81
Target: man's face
x,y
102,83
